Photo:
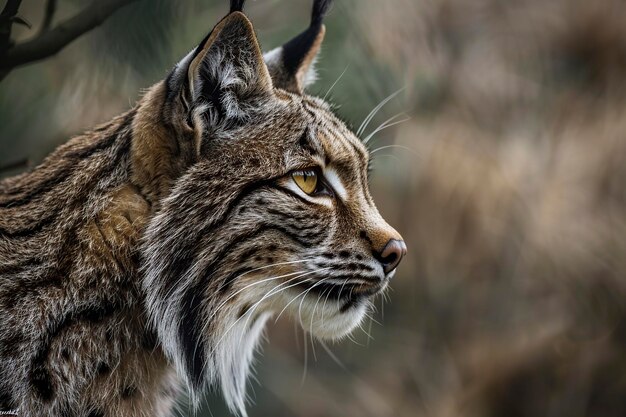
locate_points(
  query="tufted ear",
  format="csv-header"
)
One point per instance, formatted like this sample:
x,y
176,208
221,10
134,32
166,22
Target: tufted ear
x,y
292,66
225,78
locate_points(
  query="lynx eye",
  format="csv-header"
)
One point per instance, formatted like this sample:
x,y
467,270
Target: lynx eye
x,y
306,179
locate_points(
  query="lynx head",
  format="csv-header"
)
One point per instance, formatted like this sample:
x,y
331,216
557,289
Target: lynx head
x,y
266,207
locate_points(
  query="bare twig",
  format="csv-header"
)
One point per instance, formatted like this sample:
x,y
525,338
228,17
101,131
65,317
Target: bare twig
x,y
11,8
51,7
6,21
49,43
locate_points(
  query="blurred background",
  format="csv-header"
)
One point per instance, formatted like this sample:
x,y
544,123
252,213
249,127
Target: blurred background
x,y
506,176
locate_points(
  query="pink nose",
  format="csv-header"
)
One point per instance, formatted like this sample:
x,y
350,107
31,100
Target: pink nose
x,y
391,255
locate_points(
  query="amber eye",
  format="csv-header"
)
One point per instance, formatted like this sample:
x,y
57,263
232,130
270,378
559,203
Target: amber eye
x,y
306,180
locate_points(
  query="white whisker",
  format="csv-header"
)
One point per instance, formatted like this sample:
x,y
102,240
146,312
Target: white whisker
x,y
306,291
257,282
218,308
369,337
353,340
375,110
249,312
384,155
271,292
301,301
315,308
386,124
394,146
372,317
369,328
306,357
312,317
324,307
335,83
333,356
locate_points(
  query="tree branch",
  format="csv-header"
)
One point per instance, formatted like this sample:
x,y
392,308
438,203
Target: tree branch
x,y
51,7
52,41
6,21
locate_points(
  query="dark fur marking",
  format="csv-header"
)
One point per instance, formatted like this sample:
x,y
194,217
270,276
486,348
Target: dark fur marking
x,y
51,182
41,383
108,335
20,289
16,268
306,217
246,307
248,253
363,235
352,266
360,267
183,258
10,344
66,412
6,400
103,368
149,341
373,279
50,278
344,254
39,375
128,391
46,221
190,338
290,216
31,229
227,283
294,222
306,144
96,413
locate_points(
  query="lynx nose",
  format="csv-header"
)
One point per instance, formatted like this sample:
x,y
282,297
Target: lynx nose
x,y
391,255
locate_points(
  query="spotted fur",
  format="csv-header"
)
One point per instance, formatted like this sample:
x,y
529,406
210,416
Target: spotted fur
x,y
145,256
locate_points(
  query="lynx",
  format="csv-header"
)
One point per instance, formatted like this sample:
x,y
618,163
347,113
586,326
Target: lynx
x,y
145,256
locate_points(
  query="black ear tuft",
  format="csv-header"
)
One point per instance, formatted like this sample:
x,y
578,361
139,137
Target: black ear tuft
x,y
236,5
320,8
292,65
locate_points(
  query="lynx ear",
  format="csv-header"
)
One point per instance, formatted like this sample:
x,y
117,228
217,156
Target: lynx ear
x,y
225,77
292,65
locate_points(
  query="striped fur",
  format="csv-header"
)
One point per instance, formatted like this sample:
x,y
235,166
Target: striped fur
x,y
147,254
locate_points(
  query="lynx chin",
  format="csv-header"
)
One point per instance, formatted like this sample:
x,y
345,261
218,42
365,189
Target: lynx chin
x,y
145,256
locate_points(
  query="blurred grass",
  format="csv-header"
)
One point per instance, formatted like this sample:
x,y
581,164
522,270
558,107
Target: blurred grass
x,y
508,184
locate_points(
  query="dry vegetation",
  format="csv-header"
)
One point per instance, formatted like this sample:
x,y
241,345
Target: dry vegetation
x,y
515,212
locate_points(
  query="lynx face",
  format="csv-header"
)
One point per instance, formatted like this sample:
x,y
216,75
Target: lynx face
x,y
271,213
